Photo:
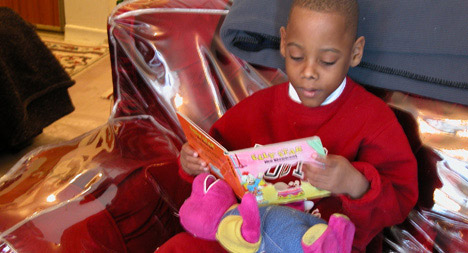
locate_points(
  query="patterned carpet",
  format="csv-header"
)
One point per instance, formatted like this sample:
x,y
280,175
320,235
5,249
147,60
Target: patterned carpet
x,y
75,58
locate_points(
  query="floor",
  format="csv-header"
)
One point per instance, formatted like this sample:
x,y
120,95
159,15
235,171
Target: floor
x,y
89,95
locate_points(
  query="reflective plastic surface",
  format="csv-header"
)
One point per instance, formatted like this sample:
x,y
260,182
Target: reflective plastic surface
x,y
116,188
438,134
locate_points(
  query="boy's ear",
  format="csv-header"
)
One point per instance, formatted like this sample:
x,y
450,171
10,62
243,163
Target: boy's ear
x,y
283,41
358,51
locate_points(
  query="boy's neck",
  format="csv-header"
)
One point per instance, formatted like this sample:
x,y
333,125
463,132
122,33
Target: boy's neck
x,y
333,96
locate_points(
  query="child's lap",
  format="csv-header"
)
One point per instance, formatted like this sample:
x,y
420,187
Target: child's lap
x,y
185,242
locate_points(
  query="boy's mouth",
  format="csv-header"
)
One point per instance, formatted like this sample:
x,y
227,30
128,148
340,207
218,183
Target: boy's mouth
x,y
309,93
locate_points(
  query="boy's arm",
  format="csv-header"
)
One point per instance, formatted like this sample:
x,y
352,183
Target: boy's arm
x,y
387,162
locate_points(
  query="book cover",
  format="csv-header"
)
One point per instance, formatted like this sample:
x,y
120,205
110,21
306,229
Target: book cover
x,y
212,152
273,172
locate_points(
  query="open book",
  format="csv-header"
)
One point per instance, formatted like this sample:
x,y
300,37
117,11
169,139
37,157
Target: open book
x,y
273,172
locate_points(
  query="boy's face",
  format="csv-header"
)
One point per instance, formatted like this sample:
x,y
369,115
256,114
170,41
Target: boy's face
x,y
318,50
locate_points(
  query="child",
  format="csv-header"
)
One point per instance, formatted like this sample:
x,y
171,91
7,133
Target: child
x,y
370,169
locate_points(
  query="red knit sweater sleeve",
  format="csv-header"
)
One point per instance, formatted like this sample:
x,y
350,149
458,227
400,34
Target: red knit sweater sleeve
x,y
389,165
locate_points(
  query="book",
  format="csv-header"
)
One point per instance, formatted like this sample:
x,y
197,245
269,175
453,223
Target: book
x,y
272,172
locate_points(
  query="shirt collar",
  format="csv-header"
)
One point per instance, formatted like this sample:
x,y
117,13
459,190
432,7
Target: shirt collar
x,y
332,97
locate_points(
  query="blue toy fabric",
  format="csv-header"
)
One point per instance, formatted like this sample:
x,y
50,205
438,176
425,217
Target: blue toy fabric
x,y
274,227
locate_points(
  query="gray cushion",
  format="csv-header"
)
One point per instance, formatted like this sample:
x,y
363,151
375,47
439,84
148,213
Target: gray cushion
x,y
261,17
416,46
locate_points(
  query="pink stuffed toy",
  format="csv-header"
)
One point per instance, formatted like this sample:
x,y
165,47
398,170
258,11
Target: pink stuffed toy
x,y
213,213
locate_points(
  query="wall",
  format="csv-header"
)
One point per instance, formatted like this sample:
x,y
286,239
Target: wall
x,y
86,20
44,14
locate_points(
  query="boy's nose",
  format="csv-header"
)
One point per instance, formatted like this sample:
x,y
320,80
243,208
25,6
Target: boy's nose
x,y
310,71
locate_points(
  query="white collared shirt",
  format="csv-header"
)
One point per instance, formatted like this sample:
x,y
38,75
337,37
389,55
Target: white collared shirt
x,y
333,96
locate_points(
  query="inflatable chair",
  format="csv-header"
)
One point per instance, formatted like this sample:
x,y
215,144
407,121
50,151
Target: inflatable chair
x,y
117,189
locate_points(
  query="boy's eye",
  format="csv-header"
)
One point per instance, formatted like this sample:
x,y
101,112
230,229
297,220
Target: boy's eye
x,y
296,58
328,63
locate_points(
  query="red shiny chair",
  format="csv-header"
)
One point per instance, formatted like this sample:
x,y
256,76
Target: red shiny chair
x,y
116,188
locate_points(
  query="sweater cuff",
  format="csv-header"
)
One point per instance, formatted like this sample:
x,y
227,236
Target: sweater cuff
x,y
375,187
184,175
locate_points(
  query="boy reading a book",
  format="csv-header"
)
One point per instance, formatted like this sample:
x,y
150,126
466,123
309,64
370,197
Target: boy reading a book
x,y
370,169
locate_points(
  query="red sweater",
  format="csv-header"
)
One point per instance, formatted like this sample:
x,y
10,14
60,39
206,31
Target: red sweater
x,y
358,126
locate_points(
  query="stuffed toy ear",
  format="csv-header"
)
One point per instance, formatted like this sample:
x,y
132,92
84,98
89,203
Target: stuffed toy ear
x,y
248,209
201,184
202,211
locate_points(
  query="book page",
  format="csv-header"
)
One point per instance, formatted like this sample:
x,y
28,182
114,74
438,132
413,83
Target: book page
x,y
273,173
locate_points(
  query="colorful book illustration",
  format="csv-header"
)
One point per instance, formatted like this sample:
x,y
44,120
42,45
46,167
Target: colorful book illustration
x,y
273,172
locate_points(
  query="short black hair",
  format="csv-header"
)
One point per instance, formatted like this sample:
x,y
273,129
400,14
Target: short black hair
x,y
348,8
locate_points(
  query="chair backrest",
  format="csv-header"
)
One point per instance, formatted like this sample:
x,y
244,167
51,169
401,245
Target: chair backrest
x,y
167,57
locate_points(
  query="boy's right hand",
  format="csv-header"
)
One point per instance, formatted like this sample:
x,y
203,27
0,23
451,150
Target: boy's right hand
x,y
191,163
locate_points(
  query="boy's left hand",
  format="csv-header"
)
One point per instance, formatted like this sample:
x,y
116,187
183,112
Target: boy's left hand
x,y
336,174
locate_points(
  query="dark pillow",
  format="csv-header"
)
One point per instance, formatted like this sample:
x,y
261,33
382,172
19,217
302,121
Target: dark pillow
x,y
416,46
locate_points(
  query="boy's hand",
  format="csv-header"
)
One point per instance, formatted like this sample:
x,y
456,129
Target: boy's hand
x,y
336,174
191,162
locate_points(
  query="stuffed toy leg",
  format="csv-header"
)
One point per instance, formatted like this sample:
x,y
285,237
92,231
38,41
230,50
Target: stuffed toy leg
x,y
212,213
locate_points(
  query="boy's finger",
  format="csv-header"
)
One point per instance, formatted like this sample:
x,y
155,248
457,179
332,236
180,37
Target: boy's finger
x,y
321,159
320,164
196,160
199,168
196,168
188,149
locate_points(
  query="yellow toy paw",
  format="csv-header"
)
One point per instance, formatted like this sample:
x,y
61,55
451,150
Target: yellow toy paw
x,y
314,233
340,215
230,237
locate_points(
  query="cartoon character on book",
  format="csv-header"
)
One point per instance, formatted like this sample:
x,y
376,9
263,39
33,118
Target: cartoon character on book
x,y
212,212
286,178
254,184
